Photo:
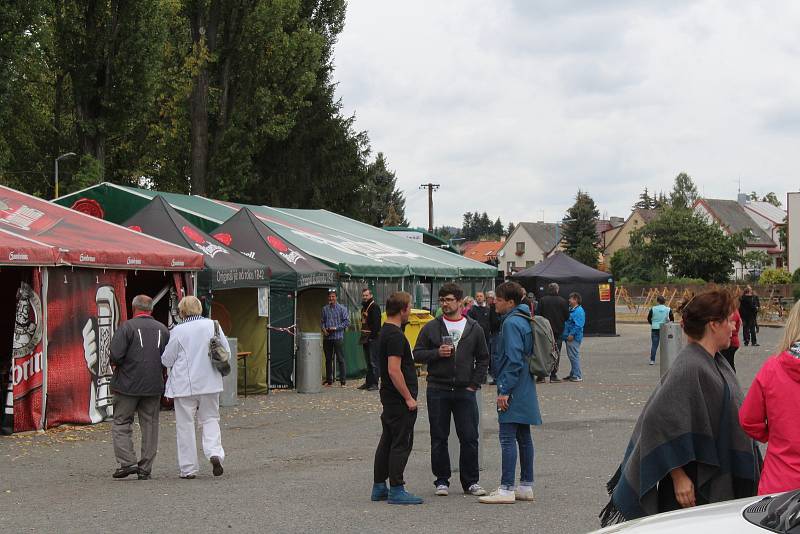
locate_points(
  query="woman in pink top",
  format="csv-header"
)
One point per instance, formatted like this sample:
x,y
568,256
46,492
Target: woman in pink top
x,y
771,412
736,320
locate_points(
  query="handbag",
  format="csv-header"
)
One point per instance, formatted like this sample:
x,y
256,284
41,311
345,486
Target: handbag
x,y
220,356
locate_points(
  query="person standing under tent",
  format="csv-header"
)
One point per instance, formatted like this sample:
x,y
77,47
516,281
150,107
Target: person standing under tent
x,y
370,327
658,315
335,320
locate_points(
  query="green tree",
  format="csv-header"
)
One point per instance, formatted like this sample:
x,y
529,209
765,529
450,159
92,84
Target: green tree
x,y
687,246
579,230
684,192
772,198
510,229
645,201
775,276
383,202
632,265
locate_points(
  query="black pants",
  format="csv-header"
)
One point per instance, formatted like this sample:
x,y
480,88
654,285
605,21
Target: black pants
x,y
395,445
728,353
463,407
371,360
331,346
749,331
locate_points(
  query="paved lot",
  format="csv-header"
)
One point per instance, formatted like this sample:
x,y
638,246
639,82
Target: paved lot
x,y
303,463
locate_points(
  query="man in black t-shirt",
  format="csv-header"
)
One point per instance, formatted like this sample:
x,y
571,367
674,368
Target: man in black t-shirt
x,y
398,391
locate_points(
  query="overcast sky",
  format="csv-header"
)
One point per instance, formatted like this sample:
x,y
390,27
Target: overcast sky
x,y
512,106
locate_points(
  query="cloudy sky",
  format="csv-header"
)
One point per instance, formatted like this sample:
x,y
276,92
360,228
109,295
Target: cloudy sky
x,y
513,105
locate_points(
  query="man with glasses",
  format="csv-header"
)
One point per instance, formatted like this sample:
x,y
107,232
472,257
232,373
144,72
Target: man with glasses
x,y
454,349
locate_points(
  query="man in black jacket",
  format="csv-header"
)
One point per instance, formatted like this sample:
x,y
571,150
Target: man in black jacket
x,y
555,309
370,328
138,385
748,309
454,349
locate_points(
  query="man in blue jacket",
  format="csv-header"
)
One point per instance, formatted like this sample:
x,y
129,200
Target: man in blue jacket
x,y
517,404
573,335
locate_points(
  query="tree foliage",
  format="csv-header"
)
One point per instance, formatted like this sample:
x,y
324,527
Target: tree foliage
x,y
229,98
579,230
775,276
646,201
684,192
686,245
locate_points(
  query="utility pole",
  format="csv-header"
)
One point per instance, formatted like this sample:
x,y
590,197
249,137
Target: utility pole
x,y
431,188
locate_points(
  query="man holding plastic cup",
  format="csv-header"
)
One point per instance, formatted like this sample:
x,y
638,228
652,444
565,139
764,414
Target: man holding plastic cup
x,y
454,349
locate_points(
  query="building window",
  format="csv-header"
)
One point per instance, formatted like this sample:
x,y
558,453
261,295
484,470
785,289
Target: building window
x,y
520,248
529,264
510,266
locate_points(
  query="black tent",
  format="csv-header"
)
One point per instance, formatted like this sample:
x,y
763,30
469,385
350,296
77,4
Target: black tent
x,y
225,268
595,287
295,274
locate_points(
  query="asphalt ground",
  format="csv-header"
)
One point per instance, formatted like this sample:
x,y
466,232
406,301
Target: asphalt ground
x,y
303,463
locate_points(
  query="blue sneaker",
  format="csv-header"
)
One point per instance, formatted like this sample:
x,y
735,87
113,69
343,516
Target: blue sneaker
x,y
379,491
399,495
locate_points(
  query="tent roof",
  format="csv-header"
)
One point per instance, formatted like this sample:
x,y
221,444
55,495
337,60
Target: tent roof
x,y
77,239
561,268
224,267
350,246
18,250
249,235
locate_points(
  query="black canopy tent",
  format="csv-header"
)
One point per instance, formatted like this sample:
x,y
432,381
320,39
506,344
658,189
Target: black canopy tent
x,y
595,287
298,286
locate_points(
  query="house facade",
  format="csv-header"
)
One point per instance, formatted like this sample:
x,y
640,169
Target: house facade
x,y
619,237
529,244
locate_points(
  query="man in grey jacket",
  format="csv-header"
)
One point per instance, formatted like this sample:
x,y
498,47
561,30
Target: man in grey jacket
x,y
138,385
454,349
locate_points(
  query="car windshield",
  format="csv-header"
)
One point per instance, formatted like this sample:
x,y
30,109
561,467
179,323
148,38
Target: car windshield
x,y
783,512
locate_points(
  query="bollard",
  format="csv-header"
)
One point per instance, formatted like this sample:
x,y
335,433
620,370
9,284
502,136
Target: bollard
x,y
453,444
309,363
670,344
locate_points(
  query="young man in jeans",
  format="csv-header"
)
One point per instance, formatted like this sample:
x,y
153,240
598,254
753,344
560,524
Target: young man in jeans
x,y
517,404
398,393
456,371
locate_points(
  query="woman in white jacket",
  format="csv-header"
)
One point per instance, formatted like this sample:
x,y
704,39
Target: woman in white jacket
x,y
195,385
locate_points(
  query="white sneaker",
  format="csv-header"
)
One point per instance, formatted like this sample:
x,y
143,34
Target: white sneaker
x,y
442,490
652,362
524,493
499,496
476,490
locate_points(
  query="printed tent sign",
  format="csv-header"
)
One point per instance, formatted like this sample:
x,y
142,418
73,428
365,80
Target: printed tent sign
x,y
225,268
289,266
64,273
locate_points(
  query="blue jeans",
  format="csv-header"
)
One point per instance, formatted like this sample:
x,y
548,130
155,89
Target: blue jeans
x,y
655,336
512,435
574,355
463,407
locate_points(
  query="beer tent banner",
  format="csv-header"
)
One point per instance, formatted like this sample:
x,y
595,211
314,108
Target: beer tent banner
x,y
224,268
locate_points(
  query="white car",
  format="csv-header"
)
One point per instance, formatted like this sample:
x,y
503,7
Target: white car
x,y
773,513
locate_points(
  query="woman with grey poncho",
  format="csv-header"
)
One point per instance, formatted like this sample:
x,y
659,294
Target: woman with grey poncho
x,y
687,447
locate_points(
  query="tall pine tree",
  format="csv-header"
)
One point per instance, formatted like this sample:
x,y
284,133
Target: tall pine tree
x,y
579,230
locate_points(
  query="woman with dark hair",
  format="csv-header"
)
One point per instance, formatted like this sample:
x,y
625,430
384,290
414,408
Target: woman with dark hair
x,y
687,447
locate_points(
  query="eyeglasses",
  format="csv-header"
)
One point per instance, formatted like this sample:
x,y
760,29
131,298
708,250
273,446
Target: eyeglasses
x,y
447,299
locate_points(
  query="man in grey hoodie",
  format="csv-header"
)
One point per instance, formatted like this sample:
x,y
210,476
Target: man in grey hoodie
x,y
138,385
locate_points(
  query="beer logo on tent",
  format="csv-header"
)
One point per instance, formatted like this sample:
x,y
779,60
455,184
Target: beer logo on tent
x,y
292,256
27,322
89,206
224,238
24,217
209,249
136,228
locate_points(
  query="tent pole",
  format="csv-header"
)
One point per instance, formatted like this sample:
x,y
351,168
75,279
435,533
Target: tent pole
x,y
45,283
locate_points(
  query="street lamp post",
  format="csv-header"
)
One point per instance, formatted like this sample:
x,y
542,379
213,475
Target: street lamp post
x,y
62,156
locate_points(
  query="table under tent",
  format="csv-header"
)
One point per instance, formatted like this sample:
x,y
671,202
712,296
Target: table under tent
x,y
229,285
362,255
71,278
595,287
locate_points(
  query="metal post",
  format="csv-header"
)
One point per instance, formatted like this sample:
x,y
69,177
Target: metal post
x,y
62,156
670,344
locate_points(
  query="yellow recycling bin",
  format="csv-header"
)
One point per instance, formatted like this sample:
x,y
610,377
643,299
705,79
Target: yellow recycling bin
x,y
416,321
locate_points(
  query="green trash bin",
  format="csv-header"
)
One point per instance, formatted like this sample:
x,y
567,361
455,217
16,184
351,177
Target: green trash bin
x,y
354,355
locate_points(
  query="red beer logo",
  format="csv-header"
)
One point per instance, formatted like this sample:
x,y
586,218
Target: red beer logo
x,y
224,238
193,234
277,244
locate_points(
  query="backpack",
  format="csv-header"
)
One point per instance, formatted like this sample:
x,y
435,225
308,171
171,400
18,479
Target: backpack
x,y
220,357
545,351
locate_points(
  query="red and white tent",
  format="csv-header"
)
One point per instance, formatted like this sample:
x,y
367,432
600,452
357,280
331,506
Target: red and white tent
x,y
69,274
